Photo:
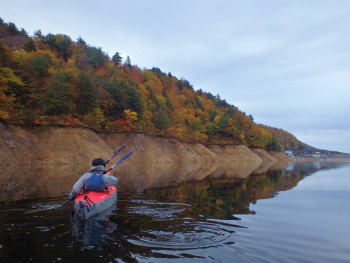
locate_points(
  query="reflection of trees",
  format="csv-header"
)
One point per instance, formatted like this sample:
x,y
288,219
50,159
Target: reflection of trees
x,y
221,197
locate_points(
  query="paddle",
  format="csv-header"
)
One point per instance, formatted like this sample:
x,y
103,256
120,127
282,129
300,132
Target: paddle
x,y
65,202
119,162
121,148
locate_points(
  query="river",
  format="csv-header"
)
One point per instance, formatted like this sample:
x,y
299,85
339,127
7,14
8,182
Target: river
x,y
300,213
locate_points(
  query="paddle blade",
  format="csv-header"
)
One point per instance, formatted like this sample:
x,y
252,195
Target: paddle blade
x,y
121,159
121,148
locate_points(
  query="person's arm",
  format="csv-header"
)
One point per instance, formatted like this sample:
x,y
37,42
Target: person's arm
x,y
110,179
78,187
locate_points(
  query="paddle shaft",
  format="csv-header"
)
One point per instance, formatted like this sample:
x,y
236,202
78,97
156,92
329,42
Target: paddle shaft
x,y
65,202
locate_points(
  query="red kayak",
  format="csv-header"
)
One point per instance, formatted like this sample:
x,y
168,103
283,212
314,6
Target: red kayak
x,y
91,203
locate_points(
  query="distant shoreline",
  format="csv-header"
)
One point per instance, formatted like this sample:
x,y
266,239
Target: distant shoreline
x,y
308,159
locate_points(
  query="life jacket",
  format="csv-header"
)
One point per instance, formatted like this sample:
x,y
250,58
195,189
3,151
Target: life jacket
x,y
95,182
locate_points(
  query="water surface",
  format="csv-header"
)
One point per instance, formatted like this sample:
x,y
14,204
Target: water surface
x,y
207,214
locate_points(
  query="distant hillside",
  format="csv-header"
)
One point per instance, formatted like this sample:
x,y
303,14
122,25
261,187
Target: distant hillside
x,y
289,142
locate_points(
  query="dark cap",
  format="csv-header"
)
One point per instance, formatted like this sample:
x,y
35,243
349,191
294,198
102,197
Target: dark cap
x,y
98,161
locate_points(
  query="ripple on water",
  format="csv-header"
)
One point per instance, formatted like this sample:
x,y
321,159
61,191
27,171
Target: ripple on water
x,y
185,236
181,232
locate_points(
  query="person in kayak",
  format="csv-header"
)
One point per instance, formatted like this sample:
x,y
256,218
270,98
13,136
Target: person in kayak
x,y
95,180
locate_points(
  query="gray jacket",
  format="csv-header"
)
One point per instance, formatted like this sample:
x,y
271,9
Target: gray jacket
x,y
81,183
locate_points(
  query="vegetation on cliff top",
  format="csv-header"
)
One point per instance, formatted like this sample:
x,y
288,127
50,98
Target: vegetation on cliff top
x,y
52,80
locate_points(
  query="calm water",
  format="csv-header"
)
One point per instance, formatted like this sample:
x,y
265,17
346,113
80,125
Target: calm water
x,y
298,214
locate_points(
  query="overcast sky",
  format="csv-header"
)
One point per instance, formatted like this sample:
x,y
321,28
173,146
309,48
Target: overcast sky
x,y
287,63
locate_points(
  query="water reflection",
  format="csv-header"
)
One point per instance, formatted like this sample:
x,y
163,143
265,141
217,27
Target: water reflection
x,y
33,181
186,212
92,232
226,194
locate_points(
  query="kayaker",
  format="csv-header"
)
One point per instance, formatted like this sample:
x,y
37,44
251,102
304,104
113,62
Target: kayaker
x,y
95,180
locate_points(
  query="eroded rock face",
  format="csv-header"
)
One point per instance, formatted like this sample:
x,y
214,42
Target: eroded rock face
x,y
57,145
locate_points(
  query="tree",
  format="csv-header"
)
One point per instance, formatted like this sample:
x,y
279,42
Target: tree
x,y
23,33
117,59
96,57
273,145
223,122
7,97
199,102
87,95
81,42
4,58
162,121
30,45
38,33
58,97
63,43
128,63
12,28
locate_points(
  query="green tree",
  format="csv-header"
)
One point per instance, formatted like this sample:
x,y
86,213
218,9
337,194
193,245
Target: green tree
x,y
96,57
87,94
117,59
30,45
162,120
134,100
63,43
274,145
38,33
212,115
199,102
3,57
116,89
128,63
12,28
81,42
58,97
223,122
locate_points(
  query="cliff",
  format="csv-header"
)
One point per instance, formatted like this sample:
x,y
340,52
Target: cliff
x,y
57,145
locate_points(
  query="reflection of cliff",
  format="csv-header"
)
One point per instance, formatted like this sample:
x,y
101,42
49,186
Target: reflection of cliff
x,y
18,183
222,197
25,182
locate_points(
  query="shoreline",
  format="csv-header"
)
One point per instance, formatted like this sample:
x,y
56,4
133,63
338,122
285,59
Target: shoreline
x,y
307,159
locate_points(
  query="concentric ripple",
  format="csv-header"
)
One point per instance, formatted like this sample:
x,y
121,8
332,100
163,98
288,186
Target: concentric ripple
x,y
179,232
185,236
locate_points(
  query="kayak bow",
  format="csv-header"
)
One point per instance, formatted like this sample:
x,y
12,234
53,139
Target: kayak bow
x,y
94,202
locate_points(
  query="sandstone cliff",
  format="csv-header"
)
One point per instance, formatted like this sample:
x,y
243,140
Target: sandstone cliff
x,y
57,145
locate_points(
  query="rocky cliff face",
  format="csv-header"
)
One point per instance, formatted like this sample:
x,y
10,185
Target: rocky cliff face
x,y
57,145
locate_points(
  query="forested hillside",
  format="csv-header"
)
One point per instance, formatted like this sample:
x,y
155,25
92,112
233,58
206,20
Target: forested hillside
x,y
289,142
52,80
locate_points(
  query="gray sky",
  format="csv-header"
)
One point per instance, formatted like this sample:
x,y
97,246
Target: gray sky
x,y
286,62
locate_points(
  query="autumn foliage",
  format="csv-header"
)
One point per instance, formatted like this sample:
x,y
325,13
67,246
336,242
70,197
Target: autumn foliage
x,y
53,80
